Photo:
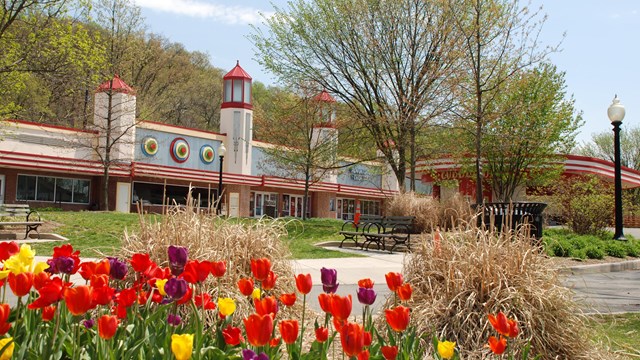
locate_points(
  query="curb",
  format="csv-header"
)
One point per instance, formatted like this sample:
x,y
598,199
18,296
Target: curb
x,y
601,268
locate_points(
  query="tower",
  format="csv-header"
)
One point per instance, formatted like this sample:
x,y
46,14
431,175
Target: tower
x,y
236,120
325,133
115,116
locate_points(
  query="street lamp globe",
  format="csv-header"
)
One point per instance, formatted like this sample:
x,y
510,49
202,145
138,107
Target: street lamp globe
x,y
223,150
616,114
616,111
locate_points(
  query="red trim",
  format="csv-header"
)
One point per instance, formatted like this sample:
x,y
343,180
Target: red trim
x,y
181,127
236,105
237,73
116,85
25,122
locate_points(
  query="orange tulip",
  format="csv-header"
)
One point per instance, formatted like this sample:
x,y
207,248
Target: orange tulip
x,y
245,286
87,269
394,280
497,346
20,284
503,325
303,283
288,299
365,283
289,331
352,338
260,268
78,299
405,291
5,325
389,352
341,306
325,302
398,318
107,326
258,328
270,282
267,305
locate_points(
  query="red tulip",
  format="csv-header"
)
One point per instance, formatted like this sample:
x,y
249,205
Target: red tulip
x,y
90,268
267,305
325,302
275,342
322,334
288,299
232,335
5,325
48,312
204,301
186,297
107,326
364,355
218,268
365,283
497,346
20,284
141,262
67,251
367,338
8,249
303,283
289,331
50,292
196,271
78,299
102,295
41,279
338,324
352,338
258,328
126,297
503,325
260,268
405,291
389,352
394,280
270,282
341,306
245,286
398,318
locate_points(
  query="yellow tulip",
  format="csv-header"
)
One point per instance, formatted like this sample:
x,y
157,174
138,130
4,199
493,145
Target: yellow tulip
x,y
256,293
181,346
4,274
160,285
40,267
8,351
21,262
446,349
226,306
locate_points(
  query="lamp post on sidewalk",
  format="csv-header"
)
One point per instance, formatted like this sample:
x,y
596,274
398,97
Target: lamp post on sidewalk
x,y
221,152
616,114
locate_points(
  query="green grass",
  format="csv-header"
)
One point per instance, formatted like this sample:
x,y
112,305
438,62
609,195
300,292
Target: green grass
x,y
619,333
565,243
94,233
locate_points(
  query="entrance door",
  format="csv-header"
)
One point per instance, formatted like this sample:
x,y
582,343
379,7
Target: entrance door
x,y
123,197
1,189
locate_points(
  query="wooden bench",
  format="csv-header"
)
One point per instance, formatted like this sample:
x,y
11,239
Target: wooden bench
x,y
352,231
393,231
32,217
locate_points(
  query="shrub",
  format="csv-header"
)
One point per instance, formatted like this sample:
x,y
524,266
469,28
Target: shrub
x,y
632,249
578,253
615,249
594,252
430,213
559,248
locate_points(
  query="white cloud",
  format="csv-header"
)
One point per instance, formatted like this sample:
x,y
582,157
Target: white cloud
x,y
227,14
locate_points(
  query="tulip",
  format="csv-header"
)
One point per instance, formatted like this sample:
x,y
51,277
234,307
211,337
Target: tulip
x,y
160,284
365,283
398,318
226,306
61,264
288,299
126,297
177,259
258,328
503,325
196,271
260,268
50,292
364,355
248,354
8,351
88,324
366,296
446,349
232,335
20,284
174,319
289,331
322,334
352,338
204,301
141,262
270,281
341,307
176,288
107,326
329,279
182,346
389,352
8,249
325,302
255,294
404,292
394,280
78,299
90,268
245,286
48,312
186,298
218,268
497,346
268,305
5,325
303,283
118,269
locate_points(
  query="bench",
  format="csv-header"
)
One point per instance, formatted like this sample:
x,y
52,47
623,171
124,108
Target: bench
x,y
352,230
32,217
394,231
515,214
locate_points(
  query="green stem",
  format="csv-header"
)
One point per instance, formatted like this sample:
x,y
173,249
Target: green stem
x,y
304,307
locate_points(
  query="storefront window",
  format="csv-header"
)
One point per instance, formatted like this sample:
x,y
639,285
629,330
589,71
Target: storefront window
x,y
43,188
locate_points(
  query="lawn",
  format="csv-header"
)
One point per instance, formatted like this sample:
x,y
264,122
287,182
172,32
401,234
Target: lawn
x,y
619,333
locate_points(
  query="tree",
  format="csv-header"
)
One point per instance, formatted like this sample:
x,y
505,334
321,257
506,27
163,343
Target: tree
x,y
601,146
388,61
539,123
500,39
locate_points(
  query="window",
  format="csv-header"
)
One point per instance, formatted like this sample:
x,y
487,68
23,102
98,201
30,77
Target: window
x,y
247,92
346,209
44,188
150,193
237,90
227,91
369,207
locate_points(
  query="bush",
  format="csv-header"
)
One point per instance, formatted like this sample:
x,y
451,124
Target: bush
x,y
632,249
615,249
594,252
559,248
578,253
430,213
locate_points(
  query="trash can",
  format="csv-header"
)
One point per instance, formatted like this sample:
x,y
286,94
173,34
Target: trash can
x,y
515,214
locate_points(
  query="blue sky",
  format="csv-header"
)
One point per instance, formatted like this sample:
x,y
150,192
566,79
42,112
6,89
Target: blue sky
x,y
600,53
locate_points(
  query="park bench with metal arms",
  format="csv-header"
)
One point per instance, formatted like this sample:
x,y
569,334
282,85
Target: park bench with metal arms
x,y
353,231
392,231
32,218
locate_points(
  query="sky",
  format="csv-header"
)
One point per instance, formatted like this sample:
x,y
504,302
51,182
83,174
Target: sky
x,y
600,49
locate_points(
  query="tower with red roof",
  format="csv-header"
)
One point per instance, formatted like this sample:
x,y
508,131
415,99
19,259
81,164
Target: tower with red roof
x,y
236,120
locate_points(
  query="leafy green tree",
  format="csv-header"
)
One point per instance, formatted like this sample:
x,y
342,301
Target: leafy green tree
x,y
601,146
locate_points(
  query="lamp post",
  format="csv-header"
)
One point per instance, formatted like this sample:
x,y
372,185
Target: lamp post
x,y
616,114
221,152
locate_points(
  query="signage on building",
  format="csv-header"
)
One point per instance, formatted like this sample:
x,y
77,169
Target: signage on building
x,y
358,174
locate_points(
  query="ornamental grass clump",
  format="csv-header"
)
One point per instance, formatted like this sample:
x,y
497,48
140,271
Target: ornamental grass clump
x,y
469,274
430,212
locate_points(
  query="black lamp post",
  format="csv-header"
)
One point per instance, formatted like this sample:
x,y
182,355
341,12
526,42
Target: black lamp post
x,y
616,114
221,152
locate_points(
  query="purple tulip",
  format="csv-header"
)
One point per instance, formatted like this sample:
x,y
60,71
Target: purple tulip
x,y
88,323
61,264
118,269
174,320
248,354
329,279
177,259
176,288
366,296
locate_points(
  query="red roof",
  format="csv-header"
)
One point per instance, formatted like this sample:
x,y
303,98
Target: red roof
x,y
117,86
237,72
324,96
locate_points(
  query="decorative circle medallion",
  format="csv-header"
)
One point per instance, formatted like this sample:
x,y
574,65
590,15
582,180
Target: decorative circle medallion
x,y
149,146
179,150
207,154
